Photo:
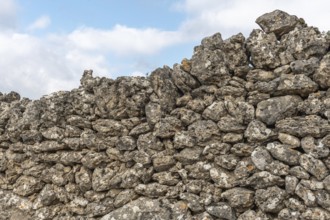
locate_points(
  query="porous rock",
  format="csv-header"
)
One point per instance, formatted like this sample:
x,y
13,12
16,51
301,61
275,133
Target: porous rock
x,y
238,131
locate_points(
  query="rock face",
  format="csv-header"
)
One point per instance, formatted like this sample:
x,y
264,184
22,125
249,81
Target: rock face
x,y
239,131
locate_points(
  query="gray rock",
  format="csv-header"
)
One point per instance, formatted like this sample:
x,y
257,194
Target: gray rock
x,y
288,214
283,153
311,43
306,195
277,108
239,198
27,185
228,161
163,86
126,143
257,132
313,166
277,168
230,124
184,139
215,111
311,125
321,75
291,183
183,80
152,190
277,22
315,213
306,67
186,116
242,149
142,208
189,155
93,159
261,158
193,202
221,210
270,199
163,163
264,50
167,127
203,130
299,172
245,168
298,84
288,139
262,180
311,147
223,178
125,197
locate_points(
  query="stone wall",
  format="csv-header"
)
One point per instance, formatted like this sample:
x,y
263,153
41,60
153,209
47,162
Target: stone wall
x,y
239,131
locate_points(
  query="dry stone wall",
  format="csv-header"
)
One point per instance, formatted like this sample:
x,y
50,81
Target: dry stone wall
x,y
239,131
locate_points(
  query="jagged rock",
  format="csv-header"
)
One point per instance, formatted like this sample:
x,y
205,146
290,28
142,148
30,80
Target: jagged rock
x,y
27,185
257,132
223,178
183,80
277,22
215,111
239,198
306,67
261,158
167,127
142,208
321,75
313,166
311,43
312,125
317,150
189,155
264,50
270,199
315,213
290,140
262,180
203,130
299,172
221,210
274,109
291,183
163,163
239,131
306,195
163,86
284,153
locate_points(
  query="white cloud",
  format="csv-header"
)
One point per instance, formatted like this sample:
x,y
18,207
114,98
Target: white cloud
x,y
8,11
123,40
233,16
41,23
36,66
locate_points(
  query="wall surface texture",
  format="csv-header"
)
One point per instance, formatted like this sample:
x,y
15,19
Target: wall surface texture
x,y
239,131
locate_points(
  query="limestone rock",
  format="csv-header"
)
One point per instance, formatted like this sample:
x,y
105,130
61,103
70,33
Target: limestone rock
x,y
277,22
274,109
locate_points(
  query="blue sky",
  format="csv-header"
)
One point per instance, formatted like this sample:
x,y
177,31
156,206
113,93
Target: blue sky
x,y
45,44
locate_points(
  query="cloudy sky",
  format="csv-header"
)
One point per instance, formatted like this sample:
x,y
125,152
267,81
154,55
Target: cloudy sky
x,y
45,44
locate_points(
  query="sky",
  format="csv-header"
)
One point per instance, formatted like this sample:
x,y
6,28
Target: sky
x,y
45,45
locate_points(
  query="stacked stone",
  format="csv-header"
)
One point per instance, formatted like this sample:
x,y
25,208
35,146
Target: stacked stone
x,y
239,131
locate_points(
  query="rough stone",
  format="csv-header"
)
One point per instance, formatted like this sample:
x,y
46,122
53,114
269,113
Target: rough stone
x,y
277,22
238,131
270,199
274,109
